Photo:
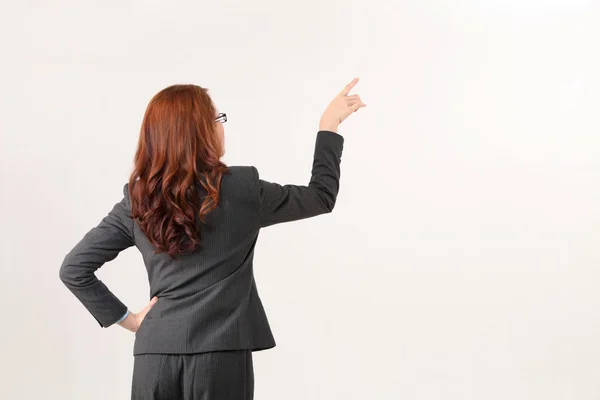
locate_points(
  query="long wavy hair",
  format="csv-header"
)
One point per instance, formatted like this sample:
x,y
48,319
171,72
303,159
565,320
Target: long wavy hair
x,y
178,152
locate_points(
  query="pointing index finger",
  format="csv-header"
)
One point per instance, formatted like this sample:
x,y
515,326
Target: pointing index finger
x,y
349,87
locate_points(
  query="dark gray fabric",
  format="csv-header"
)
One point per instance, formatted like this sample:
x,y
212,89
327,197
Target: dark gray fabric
x,y
221,375
208,299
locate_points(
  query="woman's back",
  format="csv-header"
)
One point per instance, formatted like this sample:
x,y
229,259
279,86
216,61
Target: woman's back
x,y
208,298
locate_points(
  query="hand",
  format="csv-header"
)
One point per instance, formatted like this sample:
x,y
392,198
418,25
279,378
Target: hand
x,y
133,321
340,108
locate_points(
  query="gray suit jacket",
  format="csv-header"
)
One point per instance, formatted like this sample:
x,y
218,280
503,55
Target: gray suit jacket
x,y
207,298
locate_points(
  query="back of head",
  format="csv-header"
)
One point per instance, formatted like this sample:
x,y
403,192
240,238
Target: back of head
x,y
178,152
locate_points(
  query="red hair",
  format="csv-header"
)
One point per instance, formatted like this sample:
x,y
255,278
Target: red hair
x,y
178,151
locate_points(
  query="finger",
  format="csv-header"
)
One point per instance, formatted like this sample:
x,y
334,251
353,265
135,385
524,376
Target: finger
x,y
356,106
150,305
349,87
352,103
353,97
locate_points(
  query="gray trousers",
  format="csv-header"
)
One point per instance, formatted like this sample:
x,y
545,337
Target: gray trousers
x,y
218,375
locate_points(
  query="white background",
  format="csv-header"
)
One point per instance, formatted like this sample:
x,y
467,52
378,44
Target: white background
x,y
462,258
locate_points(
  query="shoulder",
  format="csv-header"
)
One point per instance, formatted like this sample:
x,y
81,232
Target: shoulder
x,y
247,170
126,201
241,181
239,173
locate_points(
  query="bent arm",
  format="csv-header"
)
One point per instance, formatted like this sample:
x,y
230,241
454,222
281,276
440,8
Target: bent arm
x,y
285,203
100,245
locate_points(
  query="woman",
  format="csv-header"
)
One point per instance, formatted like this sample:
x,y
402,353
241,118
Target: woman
x,y
196,222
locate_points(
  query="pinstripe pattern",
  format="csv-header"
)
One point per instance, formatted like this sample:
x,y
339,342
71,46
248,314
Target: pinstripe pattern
x,y
221,375
208,299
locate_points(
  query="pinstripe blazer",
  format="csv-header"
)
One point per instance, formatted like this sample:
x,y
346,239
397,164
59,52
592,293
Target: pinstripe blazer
x,y
207,299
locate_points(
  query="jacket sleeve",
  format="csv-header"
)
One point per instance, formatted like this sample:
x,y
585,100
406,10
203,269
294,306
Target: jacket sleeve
x,y
285,203
98,246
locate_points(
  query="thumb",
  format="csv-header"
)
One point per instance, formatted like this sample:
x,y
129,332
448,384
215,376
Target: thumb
x,y
149,306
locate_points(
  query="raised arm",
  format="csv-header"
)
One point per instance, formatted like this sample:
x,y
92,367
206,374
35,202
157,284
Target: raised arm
x,y
284,203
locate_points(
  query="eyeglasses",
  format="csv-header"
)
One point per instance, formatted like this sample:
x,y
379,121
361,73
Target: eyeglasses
x,y
221,117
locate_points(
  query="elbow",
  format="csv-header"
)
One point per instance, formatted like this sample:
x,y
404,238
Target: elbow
x,y
65,274
71,275
330,205
328,201
326,198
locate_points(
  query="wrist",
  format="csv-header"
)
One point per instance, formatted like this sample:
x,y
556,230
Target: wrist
x,y
130,322
328,126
